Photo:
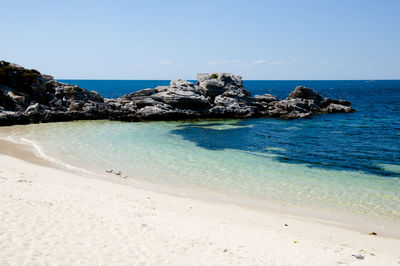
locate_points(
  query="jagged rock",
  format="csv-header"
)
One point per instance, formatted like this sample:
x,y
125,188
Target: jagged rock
x,y
303,102
265,103
230,107
151,112
217,83
231,104
180,83
182,94
229,97
27,96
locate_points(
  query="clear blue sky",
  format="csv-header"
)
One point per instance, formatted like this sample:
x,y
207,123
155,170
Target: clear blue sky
x,y
336,39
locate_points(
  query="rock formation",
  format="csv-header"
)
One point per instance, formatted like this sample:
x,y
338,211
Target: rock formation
x,y
26,96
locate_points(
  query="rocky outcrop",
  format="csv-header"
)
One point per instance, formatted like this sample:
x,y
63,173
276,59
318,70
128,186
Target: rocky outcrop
x,y
30,97
26,96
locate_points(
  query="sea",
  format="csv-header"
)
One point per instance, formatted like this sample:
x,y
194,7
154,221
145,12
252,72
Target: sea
x,y
338,167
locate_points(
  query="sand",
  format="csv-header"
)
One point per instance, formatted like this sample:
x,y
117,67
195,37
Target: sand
x,y
54,217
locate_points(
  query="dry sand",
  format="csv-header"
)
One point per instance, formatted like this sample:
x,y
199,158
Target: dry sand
x,y
54,217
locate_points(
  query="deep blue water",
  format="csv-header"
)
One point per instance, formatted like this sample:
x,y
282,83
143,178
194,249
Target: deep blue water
x,y
366,141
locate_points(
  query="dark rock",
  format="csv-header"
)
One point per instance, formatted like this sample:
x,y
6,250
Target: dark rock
x,y
328,101
301,92
265,103
6,101
13,118
140,103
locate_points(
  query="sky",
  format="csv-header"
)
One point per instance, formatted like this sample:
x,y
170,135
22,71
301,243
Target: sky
x,y
272,40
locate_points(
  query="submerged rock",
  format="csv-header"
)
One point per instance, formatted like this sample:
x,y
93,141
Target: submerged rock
x,y
337,108
27,96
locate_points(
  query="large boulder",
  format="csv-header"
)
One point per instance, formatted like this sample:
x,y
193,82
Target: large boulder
x,y
304,102
217,83
228,96
182,94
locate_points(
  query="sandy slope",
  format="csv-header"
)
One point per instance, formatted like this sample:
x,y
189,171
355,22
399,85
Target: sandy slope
x,y
52,217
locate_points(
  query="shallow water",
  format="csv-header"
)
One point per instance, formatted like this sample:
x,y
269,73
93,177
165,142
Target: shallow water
x,y
342,163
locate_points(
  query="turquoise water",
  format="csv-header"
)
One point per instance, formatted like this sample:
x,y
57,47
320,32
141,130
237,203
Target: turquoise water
x,y
152,152
345,166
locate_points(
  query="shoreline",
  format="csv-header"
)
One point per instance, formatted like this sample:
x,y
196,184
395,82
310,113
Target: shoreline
x,y
188,226
30,152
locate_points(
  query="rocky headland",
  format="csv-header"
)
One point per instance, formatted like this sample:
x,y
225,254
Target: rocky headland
x,y
27,96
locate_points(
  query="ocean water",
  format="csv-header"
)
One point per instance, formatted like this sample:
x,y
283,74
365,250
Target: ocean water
x,y
342,165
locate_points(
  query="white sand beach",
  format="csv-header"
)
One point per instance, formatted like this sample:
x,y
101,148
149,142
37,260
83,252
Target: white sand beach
x,y
54,217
